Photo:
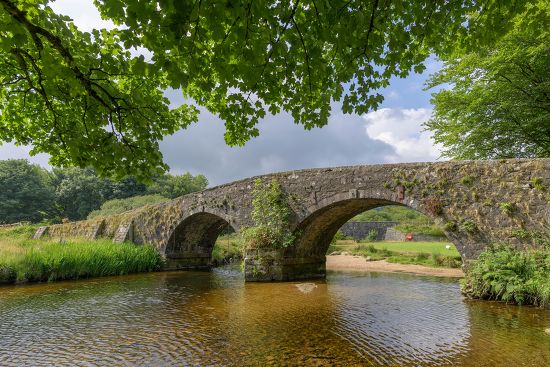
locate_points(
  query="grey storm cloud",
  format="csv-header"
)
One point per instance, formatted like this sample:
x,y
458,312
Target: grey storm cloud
x,y
282,145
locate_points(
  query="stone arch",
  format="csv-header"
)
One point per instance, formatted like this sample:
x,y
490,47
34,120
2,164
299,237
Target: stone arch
x,y
316,231
191,242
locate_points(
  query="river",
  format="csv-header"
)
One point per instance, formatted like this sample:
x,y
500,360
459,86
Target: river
x,y
215,319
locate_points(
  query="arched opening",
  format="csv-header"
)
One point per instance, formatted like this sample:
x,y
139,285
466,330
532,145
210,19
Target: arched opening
x,y
317,232
398,235
191,243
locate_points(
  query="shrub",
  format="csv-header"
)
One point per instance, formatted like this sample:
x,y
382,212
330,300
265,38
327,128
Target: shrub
x,y
270,214
371,236
507,274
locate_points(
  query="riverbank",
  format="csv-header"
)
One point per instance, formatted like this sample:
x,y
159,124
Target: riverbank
x,y
25,260
359,263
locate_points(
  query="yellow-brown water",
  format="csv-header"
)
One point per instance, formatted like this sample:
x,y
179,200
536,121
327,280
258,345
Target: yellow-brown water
x,y
215,319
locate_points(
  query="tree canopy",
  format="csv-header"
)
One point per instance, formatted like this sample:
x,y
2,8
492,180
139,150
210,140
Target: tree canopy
x,y
31,193
86,100
498,103
26,192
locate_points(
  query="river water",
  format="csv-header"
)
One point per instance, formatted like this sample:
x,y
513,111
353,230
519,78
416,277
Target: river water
x,y
215,319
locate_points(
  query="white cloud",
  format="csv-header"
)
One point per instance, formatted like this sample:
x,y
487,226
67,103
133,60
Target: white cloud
x,y
402,129
282,145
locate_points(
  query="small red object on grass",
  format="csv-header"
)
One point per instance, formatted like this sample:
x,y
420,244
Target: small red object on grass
x,y
409,237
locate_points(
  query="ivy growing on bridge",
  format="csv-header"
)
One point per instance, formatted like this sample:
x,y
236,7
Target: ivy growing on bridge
x,y
271,215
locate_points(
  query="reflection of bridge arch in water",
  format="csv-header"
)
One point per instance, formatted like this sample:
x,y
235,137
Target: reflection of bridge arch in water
x,y
464,197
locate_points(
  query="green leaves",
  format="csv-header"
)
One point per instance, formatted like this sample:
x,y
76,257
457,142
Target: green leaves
x,y
271,215
82,98
498,105
85,100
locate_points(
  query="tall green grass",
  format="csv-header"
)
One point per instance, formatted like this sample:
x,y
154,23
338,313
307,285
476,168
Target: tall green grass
x,y
25,260
507,274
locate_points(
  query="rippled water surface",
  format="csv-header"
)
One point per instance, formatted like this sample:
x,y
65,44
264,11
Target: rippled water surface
x,y
212,319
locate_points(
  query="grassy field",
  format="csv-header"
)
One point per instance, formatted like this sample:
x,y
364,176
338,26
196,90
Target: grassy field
x,y
408,246
25,260
434,254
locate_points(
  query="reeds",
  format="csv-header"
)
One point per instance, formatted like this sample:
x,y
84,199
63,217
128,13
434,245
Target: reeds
x,y
25,260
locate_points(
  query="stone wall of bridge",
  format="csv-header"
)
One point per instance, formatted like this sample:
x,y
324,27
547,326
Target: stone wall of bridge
x,y
476,202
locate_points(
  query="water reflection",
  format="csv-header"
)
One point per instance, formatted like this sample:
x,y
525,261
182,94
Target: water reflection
x,y
212,319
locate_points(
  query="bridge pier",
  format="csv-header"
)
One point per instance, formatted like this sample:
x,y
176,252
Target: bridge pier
x,y
188,262
264,265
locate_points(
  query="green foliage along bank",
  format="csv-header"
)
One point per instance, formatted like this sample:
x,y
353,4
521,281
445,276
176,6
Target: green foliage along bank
x,y
506,274
26,260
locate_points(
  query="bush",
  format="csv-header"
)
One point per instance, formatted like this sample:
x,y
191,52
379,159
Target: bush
x,y
270,214
371,236
507,274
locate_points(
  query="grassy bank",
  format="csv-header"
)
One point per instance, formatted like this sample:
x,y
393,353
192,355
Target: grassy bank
x,y
228,249
25,260
506,274
435,254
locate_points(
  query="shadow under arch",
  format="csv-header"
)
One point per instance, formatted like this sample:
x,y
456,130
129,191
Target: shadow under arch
x,y
316,231
190,244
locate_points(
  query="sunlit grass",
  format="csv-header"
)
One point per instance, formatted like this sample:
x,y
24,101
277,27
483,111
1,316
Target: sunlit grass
x,y
408,246
23,259
435,254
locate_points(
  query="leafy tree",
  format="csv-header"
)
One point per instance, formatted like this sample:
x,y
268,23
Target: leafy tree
x,y
125,188
173,186
27,193
78,192
117,206
84,99
499,102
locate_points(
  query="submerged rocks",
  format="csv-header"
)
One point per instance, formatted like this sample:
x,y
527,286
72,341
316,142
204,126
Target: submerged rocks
x,y
306,287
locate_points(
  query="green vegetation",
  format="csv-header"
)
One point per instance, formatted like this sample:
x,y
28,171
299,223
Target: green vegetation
x,y
409,220
117,206
506,207
103,106
371,236
434,254
26,192
506,274
31,193
228,248
23,259
270,214
498,105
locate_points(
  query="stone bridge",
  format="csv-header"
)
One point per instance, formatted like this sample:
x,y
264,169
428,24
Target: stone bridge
x,y
477,203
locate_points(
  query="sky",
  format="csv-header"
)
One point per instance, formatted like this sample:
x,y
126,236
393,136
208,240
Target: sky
x,y
392,134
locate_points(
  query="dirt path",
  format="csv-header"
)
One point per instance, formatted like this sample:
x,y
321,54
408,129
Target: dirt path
x,y
358,263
